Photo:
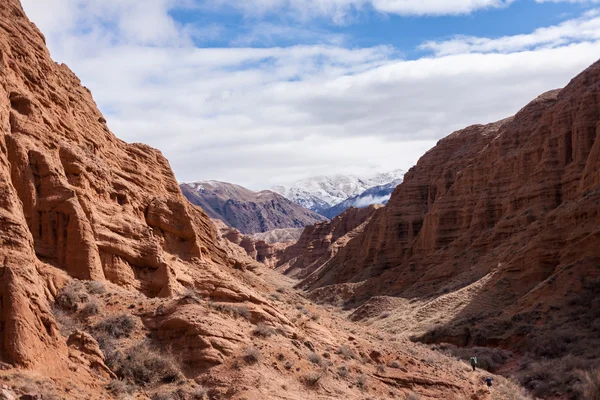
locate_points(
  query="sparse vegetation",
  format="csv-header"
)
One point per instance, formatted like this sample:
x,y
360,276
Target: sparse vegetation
x,y
281,290
72,295
143,365
263,330
343,371
119,326
315,358
412,396
94,287
488,358
118,387
234,311
91,308
312,379
252,355
591,385
361,381
346,352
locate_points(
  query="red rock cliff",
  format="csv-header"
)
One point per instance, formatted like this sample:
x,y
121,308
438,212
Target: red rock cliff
x,y
77,198
516,202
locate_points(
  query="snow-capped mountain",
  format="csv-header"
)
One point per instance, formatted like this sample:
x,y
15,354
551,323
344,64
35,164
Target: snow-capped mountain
x,y
375,195
320,193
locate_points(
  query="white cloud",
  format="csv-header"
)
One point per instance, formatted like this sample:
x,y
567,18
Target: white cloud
x,y
585,28
341,10
263,116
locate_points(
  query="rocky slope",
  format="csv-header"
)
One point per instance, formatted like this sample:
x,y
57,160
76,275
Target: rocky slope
x,y
320,193
256,248
161,308
320,242
375,195
248,211
493,238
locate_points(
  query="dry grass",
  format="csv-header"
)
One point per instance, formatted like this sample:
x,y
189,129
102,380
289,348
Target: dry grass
x,y
92,307
346,352
119,326
361,381
315,358
412,396
591,385
312,379
343,371
252,355
143,365
94,287
505,389
119,388
72,295
263,330
235,311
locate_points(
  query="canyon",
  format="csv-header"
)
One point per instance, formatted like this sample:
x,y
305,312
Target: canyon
x,y
114,285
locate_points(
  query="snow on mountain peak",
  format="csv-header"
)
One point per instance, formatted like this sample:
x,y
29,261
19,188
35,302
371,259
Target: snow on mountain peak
x,y
321,192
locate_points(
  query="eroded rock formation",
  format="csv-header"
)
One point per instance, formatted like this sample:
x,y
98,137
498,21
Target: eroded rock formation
x,y
499,222
320,242
77,199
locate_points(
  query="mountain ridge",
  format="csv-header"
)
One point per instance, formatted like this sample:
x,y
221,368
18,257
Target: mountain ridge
x,y
320,193
248,211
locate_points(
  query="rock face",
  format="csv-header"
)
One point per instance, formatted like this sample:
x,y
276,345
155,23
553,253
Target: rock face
x,y
248,211
320,242
77,199
255,248
506,214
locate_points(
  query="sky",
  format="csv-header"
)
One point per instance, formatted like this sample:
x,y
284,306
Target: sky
x,y
266,92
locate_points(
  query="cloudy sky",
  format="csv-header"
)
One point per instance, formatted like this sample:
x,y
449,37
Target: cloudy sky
x,y
262,92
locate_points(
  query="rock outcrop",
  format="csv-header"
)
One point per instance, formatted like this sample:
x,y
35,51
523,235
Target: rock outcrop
x,y
256,249
247,211
320,242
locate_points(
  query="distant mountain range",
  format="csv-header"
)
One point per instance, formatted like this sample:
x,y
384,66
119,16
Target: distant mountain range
x,y
322,193
249,212
375,195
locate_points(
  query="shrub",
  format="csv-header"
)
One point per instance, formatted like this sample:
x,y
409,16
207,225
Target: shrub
x,y
395,364
380,369
95,287
315,317
118,327
92,307
346,352
361,381
281,290
312,379
118,387
145,366
412,396
315,358
252,355
234,311
343,371
72,295
263,330
591,385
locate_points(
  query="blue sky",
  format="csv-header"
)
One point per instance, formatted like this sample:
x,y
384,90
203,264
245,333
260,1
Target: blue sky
x,y
265,92
371,28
